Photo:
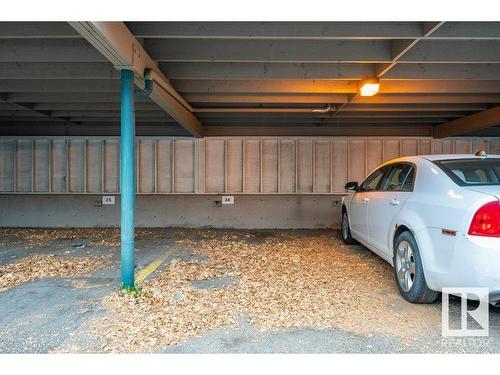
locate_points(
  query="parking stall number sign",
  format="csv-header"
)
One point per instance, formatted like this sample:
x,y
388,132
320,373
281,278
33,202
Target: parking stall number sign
x,y
228,199
108,199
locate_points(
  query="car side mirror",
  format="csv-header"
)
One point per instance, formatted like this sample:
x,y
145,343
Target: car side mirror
x,y
351,186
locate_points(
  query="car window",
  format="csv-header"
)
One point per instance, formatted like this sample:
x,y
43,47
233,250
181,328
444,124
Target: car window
x,y
472,172
373,180
399,178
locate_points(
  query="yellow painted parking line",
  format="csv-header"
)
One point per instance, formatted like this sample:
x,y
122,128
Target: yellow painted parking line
x,y
151,267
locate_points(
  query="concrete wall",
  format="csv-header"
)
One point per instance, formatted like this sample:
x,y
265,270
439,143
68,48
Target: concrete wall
x,y
248,211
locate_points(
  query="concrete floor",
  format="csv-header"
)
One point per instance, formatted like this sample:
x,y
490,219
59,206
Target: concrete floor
x,y
49,314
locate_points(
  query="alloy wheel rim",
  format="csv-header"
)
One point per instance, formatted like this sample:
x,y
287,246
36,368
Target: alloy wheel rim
x,y
405,265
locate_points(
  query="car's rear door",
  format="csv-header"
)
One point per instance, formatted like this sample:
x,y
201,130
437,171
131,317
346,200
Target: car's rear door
x,y
394,190
358,208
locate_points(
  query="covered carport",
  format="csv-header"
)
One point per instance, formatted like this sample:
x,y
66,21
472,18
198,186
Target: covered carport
x,y
228,125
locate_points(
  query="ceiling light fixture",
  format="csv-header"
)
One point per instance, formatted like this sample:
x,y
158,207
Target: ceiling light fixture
x,y
369,86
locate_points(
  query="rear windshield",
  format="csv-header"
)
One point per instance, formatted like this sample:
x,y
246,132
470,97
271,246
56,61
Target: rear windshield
x,y
472,172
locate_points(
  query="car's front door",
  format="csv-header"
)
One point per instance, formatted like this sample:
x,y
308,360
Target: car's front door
x,y
358,208
394,190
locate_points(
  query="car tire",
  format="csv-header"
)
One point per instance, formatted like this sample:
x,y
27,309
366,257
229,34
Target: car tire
x,y
408,271
346,230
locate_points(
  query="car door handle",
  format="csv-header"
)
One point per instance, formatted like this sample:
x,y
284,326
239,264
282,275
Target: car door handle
x,y
365,200
394,202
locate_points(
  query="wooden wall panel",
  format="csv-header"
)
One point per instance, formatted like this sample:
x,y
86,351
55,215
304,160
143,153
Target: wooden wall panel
x,y
357,160
305,166
183,167
391,149
374,150
76,161
42,166
94,166
287,167
146,165
24,165
59,166
232,165
111,166
340,165
214,166
164,169
409,147
7,165
251,166
269,166
322,170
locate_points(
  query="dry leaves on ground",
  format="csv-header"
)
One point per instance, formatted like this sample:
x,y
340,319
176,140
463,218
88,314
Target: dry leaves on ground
x,y
282,282
174,313
35,267
36,238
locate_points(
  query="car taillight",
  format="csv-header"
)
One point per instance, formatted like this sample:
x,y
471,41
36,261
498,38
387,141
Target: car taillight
x,y
486,221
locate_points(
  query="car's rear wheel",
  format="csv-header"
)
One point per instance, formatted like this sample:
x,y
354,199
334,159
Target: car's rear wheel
x,y
409,272
346,230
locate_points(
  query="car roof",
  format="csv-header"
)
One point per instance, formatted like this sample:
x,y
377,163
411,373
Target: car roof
x,y
458,156
440,157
